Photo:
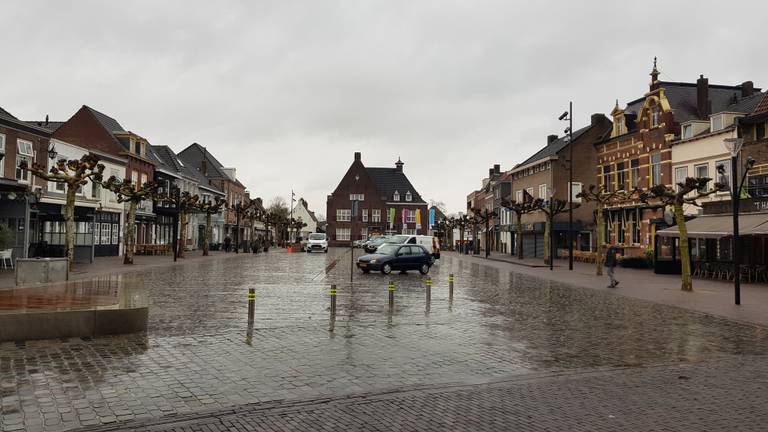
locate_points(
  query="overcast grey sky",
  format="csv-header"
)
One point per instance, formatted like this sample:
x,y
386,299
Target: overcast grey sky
x,y
286,91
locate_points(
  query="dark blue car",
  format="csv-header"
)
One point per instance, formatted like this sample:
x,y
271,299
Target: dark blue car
x,y
390,257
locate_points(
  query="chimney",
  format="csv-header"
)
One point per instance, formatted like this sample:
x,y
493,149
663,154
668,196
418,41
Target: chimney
x,y
596,118
703,104
747,88
497,169
357,157
551,139
490,173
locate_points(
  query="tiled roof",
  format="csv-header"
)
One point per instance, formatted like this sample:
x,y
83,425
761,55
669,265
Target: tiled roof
x,y
762,106
6,115
194,154
49,125
554,147
389,180
171,162
110,124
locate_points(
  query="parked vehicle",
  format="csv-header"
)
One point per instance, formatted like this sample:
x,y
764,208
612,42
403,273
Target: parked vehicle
x,y
371,245
428,242
317,242
357,243
390,257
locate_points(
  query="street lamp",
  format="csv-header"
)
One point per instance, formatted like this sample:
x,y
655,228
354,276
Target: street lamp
x,y
568,115
733,145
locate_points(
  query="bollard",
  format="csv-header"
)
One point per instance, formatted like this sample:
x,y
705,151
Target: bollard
x,y
428,292
333,307
450,287
391,289
251,311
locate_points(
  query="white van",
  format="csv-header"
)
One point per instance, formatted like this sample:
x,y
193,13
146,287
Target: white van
x,y
429,242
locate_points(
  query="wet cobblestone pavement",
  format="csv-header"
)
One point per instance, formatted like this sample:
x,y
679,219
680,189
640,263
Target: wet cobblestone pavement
x,y
197,354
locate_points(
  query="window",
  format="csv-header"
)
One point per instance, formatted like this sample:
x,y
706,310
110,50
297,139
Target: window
x,y
621,175
543,191
530,191
95,191
634,165
143,179
724,175
760,131
576,188
635,228
135,179
343,215
655,116
363,233
342,234
24,154
116,174
410,216
716,123
607,169
408,196
519,196
356,197
60,187
681,173
143,150
687,131
25,148
619,121
396,196
701,171
655,169
376,215
365,215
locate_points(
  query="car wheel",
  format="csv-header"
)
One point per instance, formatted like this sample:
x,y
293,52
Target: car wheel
x,y
366,271
309,250
386,269
424,269
326,250
431,260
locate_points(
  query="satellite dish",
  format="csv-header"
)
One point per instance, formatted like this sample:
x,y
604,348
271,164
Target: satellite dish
x,y
669,217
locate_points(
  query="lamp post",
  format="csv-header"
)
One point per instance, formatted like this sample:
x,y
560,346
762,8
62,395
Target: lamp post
x,y
568,115
733,145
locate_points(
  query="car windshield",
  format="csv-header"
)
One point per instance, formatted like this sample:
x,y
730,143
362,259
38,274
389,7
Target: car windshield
x,y
399,239
317,236
387,249
379,240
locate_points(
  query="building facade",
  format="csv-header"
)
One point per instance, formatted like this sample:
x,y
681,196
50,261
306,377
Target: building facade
x,y
370,201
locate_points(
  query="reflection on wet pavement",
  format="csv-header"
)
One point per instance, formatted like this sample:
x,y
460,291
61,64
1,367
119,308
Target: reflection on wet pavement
x,y
195,354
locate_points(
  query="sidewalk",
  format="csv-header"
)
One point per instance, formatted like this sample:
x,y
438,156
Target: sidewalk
x,y
114,265
713,297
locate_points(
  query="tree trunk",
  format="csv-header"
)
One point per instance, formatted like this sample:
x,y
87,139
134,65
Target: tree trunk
x,y
685,258
461,239
600,258
547,240
208,234
519,235
182,234
69,224
130,233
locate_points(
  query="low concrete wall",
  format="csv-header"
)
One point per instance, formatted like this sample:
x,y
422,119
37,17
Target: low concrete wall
x,y
31,271
65,324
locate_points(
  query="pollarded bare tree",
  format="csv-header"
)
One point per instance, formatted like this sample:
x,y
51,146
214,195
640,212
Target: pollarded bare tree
x,y
519,208
133,194
210,208
74,173
687,192
551,209
602,200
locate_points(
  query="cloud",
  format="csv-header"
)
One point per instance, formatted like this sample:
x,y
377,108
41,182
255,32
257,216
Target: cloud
x,y
286,91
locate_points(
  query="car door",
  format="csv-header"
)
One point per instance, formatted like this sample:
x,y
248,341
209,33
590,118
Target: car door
x,y
400,262
415,259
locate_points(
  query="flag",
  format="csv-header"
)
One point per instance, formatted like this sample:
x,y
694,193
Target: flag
x,y
431,218
391,217
527,197
418,218
405,216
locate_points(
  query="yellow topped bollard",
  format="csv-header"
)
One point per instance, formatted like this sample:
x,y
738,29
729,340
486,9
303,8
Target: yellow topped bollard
x,y
450,288
391,289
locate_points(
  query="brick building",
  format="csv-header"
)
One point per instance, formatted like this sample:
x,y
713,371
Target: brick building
x,y
19,189
372,200
638,152
545,175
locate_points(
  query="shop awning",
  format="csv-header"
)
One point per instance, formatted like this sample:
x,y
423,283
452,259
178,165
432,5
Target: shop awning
x,y
717,226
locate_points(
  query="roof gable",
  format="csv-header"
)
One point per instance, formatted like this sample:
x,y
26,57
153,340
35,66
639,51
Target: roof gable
x,y
389,180
554,147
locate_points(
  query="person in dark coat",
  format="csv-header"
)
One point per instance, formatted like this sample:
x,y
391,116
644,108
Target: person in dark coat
x,y
227,244
610,263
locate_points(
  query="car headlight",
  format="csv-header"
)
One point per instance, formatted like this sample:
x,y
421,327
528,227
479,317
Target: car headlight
x,y
373,261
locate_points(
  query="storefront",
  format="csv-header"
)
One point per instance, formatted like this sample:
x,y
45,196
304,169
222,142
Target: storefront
x,y
15,204
107,234
48,232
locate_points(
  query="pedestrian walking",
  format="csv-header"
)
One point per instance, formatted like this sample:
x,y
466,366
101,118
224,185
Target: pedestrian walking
x,y
227,243
610,262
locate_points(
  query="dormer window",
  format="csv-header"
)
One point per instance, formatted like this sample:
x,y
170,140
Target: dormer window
x,y
408,196
396,196
716,123
619,123
687,131
655,116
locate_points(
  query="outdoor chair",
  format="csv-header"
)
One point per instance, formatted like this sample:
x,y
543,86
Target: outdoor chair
x,y
6,257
